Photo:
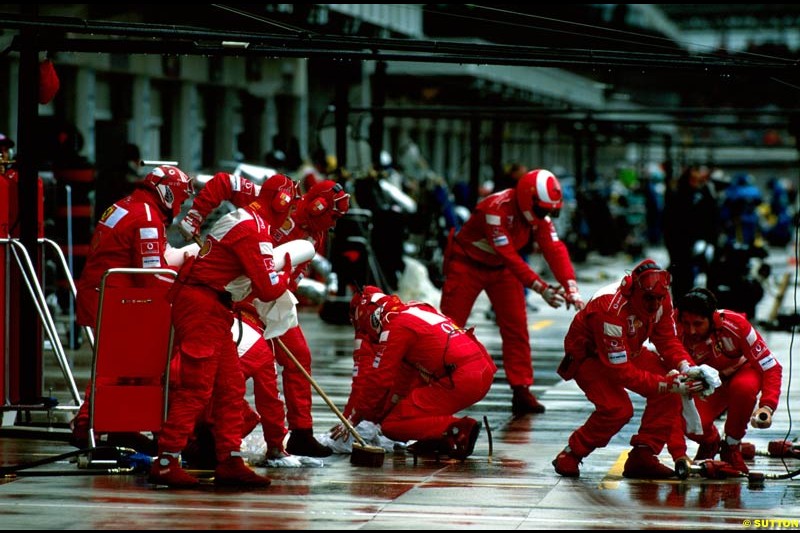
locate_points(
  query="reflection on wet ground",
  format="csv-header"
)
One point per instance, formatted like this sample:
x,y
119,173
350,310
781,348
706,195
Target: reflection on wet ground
x,y
513,488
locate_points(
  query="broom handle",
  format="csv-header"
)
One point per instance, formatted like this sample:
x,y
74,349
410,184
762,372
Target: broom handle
x,y
321,392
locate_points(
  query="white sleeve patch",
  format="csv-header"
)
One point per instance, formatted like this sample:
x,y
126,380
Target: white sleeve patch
x,y
553,236
265,248
151,262
618,358
376,362
384,336
274,279
236,183
148,233
612,330
500,240
767,362
493,220
751,336
357,344
117,215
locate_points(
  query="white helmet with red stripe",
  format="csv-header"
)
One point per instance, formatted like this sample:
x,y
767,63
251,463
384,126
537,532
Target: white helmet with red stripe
x,y
171,185
539,193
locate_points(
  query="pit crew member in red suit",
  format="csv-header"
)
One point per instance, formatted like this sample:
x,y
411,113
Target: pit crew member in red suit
x,y
130,234
317,212
727,341
425,370
236,260
603,353
483,256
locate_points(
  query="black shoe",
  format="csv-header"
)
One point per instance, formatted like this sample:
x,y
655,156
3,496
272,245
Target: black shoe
x,y
302,442
201,451
426,447
524,403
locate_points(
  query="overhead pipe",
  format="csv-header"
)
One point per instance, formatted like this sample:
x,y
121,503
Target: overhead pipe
x,y
175,39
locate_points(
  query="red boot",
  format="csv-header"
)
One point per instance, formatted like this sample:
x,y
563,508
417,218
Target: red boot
x,y
232,472
166,470
567,463
643,464
732,454
80,427
460,436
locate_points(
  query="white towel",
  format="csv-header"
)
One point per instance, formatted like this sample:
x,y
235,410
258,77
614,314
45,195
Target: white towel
x,y
691,416
708,375
371,434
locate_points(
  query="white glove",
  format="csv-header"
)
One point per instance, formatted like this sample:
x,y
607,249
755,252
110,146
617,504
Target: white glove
x,y
548,293
189,226
708,375
572,296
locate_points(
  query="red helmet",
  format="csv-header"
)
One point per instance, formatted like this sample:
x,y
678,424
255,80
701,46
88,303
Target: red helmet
x,y
323,205
647,286
389,305
539,193
364,311
276,198
648,276
171,185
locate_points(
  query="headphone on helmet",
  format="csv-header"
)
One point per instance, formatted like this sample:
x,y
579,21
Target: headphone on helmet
x,y
626,286
285,192
319,205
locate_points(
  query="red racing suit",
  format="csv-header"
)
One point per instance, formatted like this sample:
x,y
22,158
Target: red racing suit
x,y
257,361
425,369
483,256
297,391
223,186
746,367
130,234
235,261
363,357
604,354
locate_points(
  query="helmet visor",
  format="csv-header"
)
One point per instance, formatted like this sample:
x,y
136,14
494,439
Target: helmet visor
x,y
341,204
542,212
655,281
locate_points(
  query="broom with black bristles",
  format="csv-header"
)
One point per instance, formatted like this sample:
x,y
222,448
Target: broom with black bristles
x,y
363,454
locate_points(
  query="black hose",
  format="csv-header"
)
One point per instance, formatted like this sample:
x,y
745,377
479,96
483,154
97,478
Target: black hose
x,y
14,469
